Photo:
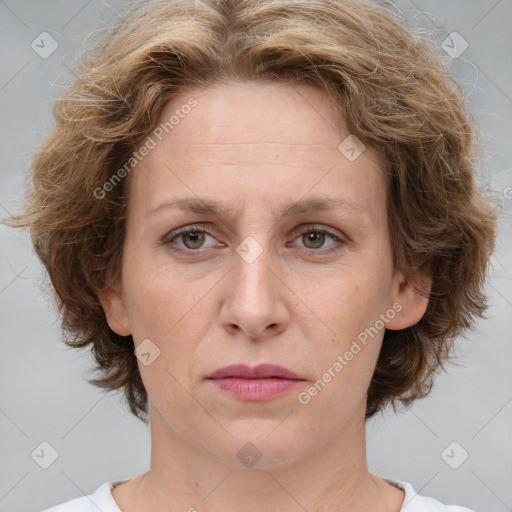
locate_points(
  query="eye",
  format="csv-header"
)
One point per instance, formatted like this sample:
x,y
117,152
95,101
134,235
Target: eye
x,y
192,238
314,239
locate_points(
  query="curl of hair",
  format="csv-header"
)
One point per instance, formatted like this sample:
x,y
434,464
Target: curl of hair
x,y
394,93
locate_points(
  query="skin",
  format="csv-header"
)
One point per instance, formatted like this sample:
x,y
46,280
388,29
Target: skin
x,y
254,147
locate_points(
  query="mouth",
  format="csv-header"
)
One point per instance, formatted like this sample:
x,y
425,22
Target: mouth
x,y
260,383
262,371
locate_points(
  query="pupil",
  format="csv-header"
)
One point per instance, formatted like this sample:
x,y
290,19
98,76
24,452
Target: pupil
x,y
316,238
197,239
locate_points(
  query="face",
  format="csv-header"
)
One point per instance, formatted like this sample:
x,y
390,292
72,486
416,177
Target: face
x,y
276,250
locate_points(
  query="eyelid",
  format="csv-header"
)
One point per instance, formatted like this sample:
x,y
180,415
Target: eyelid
x,y
311,227
205,227
185,229
339,238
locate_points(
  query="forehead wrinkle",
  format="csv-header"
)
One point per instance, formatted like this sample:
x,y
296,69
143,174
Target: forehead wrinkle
x,y
206,153
217,209
237,164
237,144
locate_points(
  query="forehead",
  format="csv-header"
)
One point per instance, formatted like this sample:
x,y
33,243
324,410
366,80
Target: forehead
x,y
249,113
253,139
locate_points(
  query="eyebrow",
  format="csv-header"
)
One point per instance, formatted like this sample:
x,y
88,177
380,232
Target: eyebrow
x,y
205,207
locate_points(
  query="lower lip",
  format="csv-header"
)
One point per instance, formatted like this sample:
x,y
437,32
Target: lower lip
x,y
256,390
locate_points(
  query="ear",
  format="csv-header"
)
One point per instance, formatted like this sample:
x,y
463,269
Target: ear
x,y
115,310
413,304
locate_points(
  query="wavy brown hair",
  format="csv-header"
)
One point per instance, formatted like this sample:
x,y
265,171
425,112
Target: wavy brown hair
x,y
395,93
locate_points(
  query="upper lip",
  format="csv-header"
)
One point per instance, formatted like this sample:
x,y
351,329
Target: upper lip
x,y
261,371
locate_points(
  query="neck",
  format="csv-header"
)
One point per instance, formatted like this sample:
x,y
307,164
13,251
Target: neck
x,y
186,476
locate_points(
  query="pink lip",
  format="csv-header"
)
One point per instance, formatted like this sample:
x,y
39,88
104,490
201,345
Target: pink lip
x,y
262,371
263,382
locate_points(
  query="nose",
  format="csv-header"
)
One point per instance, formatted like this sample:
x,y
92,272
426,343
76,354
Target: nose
x,y
254,298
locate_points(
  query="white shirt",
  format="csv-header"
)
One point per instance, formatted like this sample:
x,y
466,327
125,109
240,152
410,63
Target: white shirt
x,y
102,500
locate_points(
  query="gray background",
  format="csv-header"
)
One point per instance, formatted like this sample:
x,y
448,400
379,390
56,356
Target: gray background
x,y
44,396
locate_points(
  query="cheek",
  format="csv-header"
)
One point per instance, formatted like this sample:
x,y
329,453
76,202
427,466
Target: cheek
x,y
168,309
345,311
151,306
155,295
345,363
347,302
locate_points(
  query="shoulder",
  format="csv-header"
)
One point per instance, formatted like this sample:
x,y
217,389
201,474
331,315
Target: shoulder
x,y
101,499
414,502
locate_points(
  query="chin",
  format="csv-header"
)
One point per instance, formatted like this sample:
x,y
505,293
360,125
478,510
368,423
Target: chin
x,y
258,444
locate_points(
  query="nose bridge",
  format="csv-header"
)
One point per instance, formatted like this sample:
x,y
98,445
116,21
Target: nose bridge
x,y
252,275
252,301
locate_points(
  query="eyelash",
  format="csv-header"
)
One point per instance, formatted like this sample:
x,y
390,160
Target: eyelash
x,y
167,239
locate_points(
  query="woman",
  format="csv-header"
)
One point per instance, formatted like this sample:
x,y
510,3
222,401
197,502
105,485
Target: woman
x,y
262,218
